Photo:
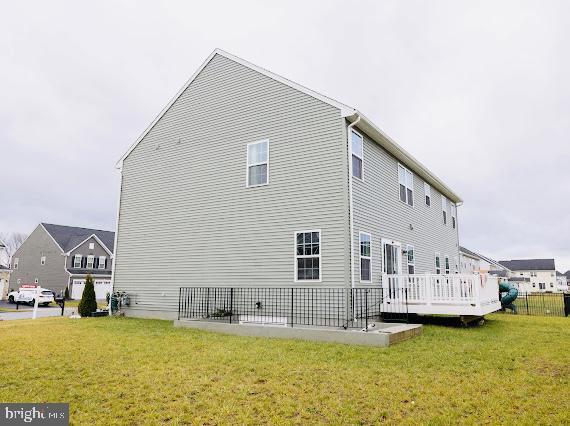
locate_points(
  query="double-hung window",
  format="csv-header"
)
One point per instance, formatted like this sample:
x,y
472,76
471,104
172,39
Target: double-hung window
x,y
102,262
447,265
90,261
411,259
453,215
365,257
444,208
77,261
258,163
308,256
406,181
437,264
427,193
357,154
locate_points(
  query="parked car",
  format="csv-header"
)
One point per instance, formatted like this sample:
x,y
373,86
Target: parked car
x,y
28,295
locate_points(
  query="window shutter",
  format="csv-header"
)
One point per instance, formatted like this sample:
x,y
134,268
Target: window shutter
x,y
96,262
83,262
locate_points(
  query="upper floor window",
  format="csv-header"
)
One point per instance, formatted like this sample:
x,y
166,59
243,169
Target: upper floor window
x,y
437,264
357,154
533,274
444,209
447,264
91,246
365,259
102,262
42,260
427,193
16,262
308,256
258,163
406,181
90,261
77,261
411,259
453,215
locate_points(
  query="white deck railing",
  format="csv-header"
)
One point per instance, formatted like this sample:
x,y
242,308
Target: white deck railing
x,y
453,294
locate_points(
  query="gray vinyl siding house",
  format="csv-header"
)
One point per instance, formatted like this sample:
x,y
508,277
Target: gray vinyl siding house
x,y
187,216
47,256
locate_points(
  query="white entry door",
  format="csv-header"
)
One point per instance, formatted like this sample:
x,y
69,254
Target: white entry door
x,y
391,257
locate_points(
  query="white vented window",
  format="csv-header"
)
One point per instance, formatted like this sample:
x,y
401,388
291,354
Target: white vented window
x,y
258,163
411,259
42,260
308,256
91,246
427,193
77,261
102,262
365,257
444,209
406,182
357,154
16,262
90,261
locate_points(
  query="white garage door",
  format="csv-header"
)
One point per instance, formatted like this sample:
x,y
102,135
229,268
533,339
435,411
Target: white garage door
x,y
102,287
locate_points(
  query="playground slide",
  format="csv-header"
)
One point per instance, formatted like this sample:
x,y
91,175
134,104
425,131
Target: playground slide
x,y
508,299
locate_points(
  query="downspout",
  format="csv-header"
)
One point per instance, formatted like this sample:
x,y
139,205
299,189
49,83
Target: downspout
x,y
350,203
114,256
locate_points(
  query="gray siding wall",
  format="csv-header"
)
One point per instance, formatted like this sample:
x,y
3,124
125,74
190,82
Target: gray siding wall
x,y
52,275
97,251
186,217
379,212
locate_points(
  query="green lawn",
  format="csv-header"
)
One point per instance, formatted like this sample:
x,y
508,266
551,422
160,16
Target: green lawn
x,y
513,370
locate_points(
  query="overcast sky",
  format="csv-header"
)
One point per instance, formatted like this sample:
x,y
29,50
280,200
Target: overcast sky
x,y
477,91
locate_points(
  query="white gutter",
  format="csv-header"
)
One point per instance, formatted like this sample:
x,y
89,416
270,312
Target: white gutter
x,y
114,255
350,203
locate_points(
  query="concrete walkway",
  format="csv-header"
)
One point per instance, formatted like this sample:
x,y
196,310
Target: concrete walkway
x,y
26,313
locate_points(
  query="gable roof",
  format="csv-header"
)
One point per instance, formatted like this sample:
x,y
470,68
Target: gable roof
x,y
69,237
351,114
529,264
476,255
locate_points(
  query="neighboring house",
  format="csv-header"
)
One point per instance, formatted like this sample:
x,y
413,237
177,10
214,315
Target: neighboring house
x,y
541,274
561,282
4,281
56,257
248,179
472,262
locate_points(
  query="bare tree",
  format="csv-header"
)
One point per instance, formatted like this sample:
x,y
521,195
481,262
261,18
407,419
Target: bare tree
x,y
11,242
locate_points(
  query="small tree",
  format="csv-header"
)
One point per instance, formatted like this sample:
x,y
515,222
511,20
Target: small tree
x,y
88,302
66,293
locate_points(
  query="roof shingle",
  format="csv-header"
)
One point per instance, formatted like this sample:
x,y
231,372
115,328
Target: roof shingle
x,y
70,236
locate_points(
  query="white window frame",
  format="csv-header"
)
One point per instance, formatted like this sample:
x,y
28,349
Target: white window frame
x,y
104,262
453,215
42,260
300,256
427,194
384,242
36,281
75,257
456,261
437,257
360,234
413,262
360,157
444,209
92,258
16,262
408,185
91,246
248,165
446,265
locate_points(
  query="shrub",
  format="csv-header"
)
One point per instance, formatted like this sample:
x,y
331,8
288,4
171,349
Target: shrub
x,y
88,302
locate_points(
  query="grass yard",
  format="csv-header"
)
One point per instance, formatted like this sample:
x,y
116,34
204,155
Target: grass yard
x,y
513,370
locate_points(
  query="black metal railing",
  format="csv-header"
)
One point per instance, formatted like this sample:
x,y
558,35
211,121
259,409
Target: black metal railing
x,y
294,306
545,304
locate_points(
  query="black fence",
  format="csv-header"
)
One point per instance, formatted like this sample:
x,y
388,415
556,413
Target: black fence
x,y
544,304
289,307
